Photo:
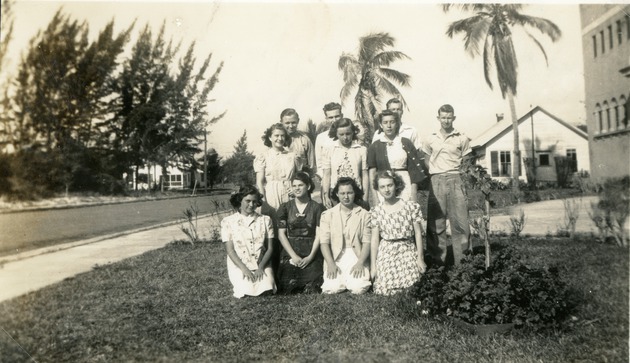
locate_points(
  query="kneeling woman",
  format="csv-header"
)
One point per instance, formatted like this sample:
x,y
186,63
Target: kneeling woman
x,y
248,240
344,232
397,254
301,262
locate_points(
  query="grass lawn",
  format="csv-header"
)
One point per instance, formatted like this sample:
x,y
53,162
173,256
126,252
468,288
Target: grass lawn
x,y
175,304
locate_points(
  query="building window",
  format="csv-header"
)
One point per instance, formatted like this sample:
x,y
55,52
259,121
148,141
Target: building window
x,y
624,112
595,46
619,32
610,36
572,156
501,163
628,26
543,159
601,35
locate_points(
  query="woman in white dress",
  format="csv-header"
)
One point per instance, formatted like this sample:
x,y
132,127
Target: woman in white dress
x,y
248,240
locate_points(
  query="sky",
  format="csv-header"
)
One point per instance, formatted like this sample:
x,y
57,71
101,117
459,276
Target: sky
x,y
285,54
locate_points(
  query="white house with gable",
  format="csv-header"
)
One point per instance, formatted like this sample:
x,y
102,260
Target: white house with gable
x,y
547,135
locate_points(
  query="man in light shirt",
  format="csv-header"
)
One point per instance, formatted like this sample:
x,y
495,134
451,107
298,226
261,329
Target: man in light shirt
x,y
332,113
406,131
445,151
301,145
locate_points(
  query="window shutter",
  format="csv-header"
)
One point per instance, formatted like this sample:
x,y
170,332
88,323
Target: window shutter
x,y
494,162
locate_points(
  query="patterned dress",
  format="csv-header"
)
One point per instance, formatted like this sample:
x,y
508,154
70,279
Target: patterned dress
x,y
301,229
396,261
249,236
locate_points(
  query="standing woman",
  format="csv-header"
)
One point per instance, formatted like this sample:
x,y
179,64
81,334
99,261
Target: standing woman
x,y
392,152
344,233
275,167
346,158
301,263
397,257
248,241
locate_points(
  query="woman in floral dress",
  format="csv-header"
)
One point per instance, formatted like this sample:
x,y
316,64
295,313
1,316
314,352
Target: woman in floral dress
x,y
275,167
397,257
248,241
345,158
301,262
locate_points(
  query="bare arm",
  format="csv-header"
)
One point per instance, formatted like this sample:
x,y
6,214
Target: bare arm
x,y
417,229
260,272
260,183
373,197
326,189
333,269
284,240
376,239
365,183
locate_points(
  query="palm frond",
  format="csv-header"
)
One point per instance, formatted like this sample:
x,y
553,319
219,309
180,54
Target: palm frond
x,y
506,64
546,27
542,50
390,88
373,44
351,69
384,59
465,7
401,78
473,28
487,60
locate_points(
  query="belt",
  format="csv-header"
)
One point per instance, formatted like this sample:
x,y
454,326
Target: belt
x,y
404,239
399,169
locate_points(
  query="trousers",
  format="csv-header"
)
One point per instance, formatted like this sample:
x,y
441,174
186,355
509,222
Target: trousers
x,y
447,199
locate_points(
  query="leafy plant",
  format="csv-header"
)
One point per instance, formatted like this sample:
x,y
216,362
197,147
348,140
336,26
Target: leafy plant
x,y
613,209
189,222
571,215
517,222
509,291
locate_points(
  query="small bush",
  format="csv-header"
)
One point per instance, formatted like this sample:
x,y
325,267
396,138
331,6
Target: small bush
x,y
517,223
509,291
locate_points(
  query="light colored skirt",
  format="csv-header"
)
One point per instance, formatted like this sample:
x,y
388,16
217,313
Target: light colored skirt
x,y
396,266
406,193
243,286
344,280
277,192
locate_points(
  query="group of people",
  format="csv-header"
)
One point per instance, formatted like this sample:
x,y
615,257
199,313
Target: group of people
x,y
367,233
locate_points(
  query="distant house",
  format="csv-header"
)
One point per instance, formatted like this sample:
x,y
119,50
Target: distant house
x,y
175,178
546,134
606,55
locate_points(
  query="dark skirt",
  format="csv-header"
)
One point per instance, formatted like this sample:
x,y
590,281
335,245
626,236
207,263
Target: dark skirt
x,y
292,279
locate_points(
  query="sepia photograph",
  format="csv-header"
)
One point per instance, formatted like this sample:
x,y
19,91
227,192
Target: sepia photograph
x,y
314,181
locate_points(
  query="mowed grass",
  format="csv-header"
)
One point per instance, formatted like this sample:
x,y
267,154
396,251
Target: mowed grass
x,y
175,304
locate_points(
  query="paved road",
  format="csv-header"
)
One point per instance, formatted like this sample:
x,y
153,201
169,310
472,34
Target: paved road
x,y
28,230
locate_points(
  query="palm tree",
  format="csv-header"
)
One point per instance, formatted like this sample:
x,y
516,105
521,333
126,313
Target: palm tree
x,y
369,70
492,26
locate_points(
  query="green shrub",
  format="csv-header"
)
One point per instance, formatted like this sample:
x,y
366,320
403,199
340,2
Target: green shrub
x,y
509,291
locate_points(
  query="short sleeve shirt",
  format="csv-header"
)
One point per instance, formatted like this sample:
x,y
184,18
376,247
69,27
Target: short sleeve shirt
x,y
445,153
398,224
277,165
345,161
248,234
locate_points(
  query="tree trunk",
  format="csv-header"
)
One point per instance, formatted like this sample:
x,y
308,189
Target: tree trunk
x,y
516,163
486,227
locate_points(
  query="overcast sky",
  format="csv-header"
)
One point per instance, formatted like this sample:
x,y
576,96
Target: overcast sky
x,y
280,55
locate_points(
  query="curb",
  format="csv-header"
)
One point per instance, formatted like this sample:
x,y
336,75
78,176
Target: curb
x,y
65,246
96,204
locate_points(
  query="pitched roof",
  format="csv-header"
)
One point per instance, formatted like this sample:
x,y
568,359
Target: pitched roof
x,y
506,125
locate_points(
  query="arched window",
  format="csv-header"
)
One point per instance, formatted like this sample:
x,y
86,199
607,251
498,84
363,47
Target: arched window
x,y
598,115
624,114
615,114
607,120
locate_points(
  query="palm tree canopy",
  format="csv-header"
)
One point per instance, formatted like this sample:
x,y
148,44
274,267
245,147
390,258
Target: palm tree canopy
x,y
489,31
370,74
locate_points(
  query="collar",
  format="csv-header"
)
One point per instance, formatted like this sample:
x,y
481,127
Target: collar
x,y
455,132
276,152
354,145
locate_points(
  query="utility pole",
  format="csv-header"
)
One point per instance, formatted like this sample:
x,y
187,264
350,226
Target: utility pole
x,y
205,160
531,117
